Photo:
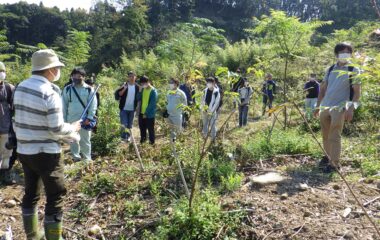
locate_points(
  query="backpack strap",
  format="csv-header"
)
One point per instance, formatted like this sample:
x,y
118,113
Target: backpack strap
x,y
330,70
350,76
9,93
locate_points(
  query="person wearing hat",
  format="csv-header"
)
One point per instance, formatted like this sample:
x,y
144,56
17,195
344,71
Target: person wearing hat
x,y
209,106
176,100
39,127
148,98
127,95
75,98
6,108
245,93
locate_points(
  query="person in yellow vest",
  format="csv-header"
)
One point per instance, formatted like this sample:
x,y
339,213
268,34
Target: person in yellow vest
x,y
148,98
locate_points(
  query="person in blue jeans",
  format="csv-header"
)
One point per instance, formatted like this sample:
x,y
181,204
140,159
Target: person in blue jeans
x,y
127,95
245,94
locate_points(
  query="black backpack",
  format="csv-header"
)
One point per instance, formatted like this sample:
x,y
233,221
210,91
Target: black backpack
x,y
351,70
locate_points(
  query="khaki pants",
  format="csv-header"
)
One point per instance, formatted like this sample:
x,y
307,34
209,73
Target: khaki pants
x,y
332,125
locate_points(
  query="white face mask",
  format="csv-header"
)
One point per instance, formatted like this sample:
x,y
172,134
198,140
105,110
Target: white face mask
x,y
144,85
171,86
246,84
56,77
343,57
2,76
210,85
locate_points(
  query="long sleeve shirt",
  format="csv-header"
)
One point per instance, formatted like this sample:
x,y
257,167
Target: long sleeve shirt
x,y
175,99
39,123
72,107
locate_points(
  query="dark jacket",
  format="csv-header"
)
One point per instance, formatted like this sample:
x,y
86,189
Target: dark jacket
x,y
123,98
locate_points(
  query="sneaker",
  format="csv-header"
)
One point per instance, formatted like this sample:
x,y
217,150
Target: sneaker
x,y
323,163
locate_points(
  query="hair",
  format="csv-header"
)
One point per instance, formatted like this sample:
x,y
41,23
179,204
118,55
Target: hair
x,y
210,79
313,75
342,46
39,72
89,81
175,81
144,79
79,70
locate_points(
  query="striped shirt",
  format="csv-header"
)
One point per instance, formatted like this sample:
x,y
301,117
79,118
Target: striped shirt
x,y
39,123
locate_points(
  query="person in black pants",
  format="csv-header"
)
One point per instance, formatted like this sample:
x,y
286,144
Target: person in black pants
x,y
148,98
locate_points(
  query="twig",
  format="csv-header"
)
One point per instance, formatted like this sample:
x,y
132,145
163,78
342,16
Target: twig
x,y
240,210
371,201
78,233
137,151
342,237
299,230
268,234
219,232
180,169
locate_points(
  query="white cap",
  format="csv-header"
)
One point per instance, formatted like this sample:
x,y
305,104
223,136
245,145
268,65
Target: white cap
x,y
45,59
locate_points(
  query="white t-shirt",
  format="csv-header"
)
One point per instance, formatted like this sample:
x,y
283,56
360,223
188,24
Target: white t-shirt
x,y
130,101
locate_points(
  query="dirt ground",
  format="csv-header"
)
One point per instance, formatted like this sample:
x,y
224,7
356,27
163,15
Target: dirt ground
x,y
276,211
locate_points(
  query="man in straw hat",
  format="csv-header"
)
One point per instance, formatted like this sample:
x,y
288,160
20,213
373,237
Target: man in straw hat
x,y
39,127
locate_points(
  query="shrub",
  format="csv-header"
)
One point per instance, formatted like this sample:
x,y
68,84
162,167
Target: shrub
x,y
101,182
204,222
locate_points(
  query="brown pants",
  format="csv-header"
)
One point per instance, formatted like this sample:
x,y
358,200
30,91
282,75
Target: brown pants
x,y
46,169
332,126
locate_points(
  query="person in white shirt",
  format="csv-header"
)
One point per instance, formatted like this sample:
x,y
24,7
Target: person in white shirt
x,y
127,95
209,107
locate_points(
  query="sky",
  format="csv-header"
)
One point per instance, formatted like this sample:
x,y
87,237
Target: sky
x,y
62,4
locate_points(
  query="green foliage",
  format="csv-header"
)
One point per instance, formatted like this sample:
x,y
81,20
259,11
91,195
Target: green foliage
x,y
133,207
77,48
107,138
232,182
282,142
204,222
102,182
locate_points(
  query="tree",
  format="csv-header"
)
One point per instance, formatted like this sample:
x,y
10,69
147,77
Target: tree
x,y
289,36
5,47
77,47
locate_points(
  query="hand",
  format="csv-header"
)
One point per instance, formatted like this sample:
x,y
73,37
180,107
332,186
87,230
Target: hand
x,y
349,114
316,113
87,122
76,125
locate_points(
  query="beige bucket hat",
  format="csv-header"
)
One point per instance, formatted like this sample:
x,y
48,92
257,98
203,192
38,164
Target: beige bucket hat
x,y
2,66
45,59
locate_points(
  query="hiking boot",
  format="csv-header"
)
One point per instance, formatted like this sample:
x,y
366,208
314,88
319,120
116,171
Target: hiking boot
x,y
323,163
330,169
53,227
30,220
